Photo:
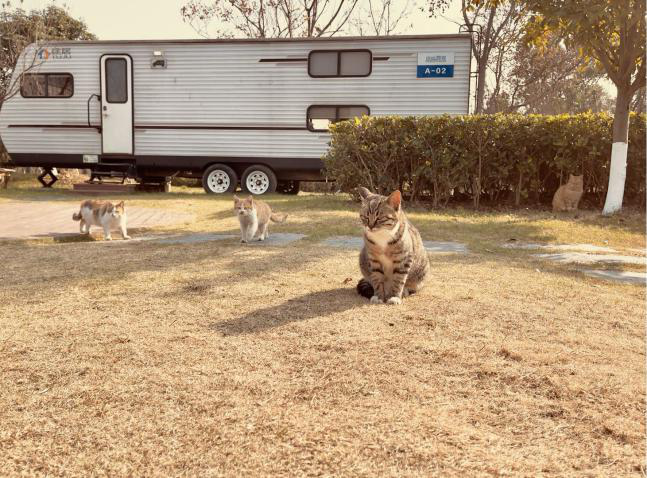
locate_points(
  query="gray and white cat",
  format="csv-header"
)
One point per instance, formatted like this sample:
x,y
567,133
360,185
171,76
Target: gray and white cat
x,y
393,261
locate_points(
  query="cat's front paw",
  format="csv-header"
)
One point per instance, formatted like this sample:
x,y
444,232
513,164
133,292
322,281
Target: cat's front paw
x,y
376,300
243,241
394,301
127,237
108,238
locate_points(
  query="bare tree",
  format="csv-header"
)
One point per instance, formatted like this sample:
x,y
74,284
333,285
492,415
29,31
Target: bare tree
x,y
19,28
268,18
500,22
547,79
381,17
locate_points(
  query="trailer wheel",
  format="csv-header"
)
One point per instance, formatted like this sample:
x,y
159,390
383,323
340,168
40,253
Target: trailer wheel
x,y
289,187
219,179
259,179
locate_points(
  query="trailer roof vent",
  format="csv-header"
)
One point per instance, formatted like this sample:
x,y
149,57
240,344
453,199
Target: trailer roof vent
x,y
158,60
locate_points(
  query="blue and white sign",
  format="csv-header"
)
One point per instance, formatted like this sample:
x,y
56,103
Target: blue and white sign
x,y
435,65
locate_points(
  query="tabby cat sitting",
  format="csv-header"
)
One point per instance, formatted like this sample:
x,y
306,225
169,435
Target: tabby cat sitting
x,y
393,261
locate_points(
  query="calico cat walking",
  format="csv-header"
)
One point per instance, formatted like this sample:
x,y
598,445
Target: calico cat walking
x,y
102,213
393,261
255,216
567,196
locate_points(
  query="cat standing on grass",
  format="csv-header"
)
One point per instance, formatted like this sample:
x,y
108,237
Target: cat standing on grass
x,y
568,196
393,261
104,214
254,216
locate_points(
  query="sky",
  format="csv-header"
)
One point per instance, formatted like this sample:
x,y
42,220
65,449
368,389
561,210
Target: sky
x,y
161,19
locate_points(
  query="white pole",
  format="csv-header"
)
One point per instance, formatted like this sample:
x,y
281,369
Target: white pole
x,y
617,175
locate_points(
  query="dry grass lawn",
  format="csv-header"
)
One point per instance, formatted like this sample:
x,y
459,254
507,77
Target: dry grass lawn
x,y
217,359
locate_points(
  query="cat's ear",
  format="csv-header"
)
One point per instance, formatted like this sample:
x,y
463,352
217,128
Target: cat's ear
x,y
363,192
121,204
394,200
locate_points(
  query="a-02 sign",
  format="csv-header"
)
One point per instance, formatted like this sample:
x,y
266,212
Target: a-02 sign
x,y
435,65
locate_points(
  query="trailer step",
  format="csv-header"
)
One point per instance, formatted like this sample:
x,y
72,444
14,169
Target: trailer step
x,y
108,173
115,165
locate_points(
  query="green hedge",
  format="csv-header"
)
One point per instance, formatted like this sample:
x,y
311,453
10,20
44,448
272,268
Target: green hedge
x,y
497,158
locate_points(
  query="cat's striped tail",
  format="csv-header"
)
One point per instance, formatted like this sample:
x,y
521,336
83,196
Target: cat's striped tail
x,y
365,289
77,216
278,217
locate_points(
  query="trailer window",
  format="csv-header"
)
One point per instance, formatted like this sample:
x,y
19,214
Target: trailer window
x,y
116,80
47,85
339,63
319,118
59,85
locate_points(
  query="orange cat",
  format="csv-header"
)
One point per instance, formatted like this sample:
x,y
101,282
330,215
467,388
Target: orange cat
x,y
254,216
568,196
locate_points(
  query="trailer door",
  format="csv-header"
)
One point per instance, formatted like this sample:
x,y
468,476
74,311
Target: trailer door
x,y
117,104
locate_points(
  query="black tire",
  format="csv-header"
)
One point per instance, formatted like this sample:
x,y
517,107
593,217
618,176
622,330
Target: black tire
x,y
219,179
266,180
289,187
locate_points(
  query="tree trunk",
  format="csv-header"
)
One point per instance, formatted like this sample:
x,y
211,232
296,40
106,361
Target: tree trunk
x,y
517,193
618,168
480,87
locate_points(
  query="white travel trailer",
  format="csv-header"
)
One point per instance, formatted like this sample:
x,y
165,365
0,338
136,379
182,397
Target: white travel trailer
x,y
253,112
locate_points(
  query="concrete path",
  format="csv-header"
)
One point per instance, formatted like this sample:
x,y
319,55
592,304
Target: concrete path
x,y
619,276
275,239
352,242
559,247
22,220
583,258
194,238
593,255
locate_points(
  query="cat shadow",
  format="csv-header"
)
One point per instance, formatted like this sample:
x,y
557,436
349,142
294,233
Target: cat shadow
x,y
308,306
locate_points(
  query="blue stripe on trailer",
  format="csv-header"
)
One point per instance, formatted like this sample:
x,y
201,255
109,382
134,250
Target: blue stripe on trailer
x,y
435,71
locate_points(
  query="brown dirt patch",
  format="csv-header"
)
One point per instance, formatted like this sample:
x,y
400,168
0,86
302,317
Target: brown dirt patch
x,y
218,359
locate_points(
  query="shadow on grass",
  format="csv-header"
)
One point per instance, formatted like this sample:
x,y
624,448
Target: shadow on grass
x,y
304,307
217,216
629,220
485,232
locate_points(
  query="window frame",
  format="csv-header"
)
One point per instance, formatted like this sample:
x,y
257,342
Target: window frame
x,y
108,83
339,53
309,122
46,75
